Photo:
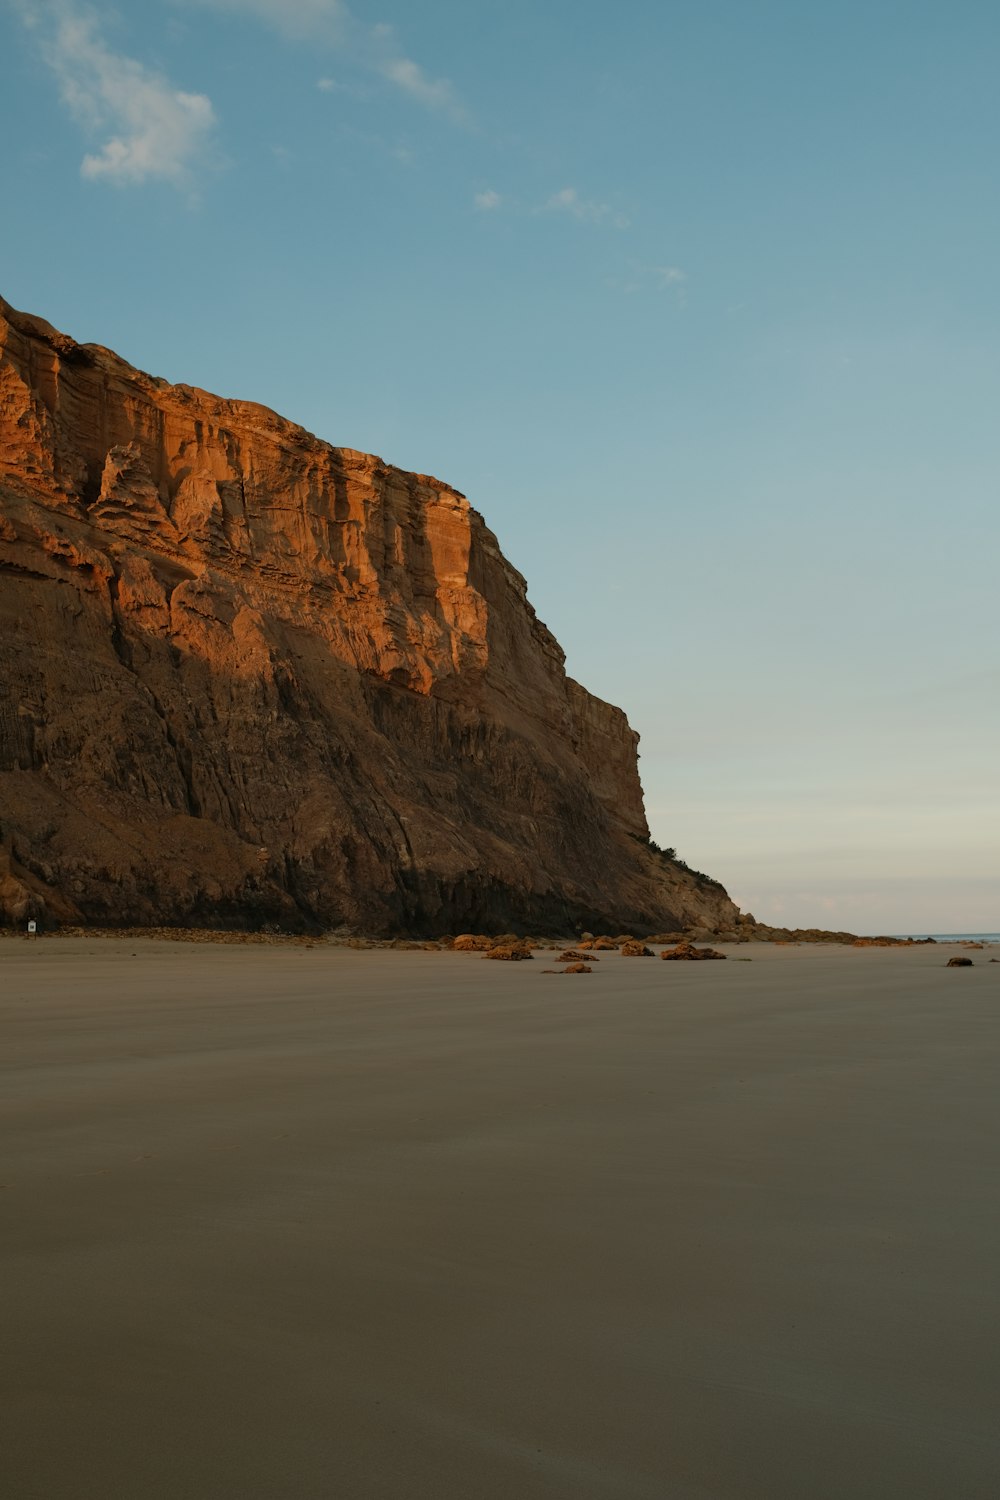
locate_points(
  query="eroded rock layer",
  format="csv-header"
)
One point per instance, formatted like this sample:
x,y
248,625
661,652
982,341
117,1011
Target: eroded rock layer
x,y
247,678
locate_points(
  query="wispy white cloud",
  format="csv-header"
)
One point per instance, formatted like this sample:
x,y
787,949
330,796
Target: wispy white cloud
x,y
331,23
154,130
410,77
436,93
643,278
487,200
302,20
326,85
568,201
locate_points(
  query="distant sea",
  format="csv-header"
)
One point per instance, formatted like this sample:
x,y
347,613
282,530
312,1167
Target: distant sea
x,y
954,937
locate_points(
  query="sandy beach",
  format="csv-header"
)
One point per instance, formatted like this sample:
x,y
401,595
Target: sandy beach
x,y
290,1223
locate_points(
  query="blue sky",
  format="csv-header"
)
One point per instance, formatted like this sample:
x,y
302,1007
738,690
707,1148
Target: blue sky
x,y
698,302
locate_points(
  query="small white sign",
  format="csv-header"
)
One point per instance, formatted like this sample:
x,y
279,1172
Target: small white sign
x,y
32,927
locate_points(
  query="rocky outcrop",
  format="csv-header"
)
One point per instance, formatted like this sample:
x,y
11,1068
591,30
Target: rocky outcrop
x,y
247,678
686,950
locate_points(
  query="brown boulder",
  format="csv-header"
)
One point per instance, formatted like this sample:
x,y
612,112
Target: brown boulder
x,y
959,963
511,952
687,950
578,969
571,956
634,949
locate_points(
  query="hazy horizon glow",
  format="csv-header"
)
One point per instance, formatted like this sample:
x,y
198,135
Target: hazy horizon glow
x,y
697,304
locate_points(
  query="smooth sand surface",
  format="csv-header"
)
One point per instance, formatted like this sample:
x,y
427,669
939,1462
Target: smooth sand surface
x,y
311,1224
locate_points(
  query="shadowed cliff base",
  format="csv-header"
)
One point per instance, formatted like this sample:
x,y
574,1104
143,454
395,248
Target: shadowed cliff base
x,y
250,679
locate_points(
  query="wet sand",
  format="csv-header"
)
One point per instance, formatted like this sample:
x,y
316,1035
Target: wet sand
x,y
312,1224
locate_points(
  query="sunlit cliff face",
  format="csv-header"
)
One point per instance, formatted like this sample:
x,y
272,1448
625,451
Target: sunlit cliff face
x,y
222,635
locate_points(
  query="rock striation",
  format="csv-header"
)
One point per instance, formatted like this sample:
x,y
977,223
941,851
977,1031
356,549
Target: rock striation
x,y
251,679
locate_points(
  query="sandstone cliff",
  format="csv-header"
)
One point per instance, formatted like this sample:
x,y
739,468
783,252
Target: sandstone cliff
x,y
247,677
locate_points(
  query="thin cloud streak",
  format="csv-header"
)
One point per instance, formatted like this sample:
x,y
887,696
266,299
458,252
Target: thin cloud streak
x,y
568,201
300,20
392,64
436,93
331,23
641,278
671,279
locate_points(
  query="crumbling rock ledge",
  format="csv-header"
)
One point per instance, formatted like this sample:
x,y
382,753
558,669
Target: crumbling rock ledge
x,y
251,680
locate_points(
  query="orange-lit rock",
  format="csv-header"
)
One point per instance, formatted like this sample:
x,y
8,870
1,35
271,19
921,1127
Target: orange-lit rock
x,y
251,678
686,950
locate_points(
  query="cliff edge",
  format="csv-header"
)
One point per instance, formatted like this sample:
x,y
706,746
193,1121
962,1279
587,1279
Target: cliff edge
x,y
248,678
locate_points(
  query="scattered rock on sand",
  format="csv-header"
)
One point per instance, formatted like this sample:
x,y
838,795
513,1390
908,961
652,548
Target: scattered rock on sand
x,y
635,949
578,969
571,956
688,950
509,951
888,942
959,963
605,945
472,942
